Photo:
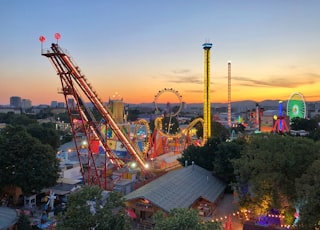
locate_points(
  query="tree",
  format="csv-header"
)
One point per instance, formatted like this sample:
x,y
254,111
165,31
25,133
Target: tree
x,y
170,125
133,114
89,208
268,168
201,156
184,219
308,187
216,156
23,222
25,162
178,219
298,123
219,131
222,162
46,133
15,119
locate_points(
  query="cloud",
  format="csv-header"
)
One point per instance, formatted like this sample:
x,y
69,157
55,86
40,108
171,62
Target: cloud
x,y
180,71
183,76
186,79
284,81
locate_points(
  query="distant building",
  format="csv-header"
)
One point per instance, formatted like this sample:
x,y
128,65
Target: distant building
x,y
9,109
26,103
71,103
54,104
15,101
267,120
61,105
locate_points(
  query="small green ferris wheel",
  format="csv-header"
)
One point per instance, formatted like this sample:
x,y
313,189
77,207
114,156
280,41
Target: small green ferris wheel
x,y
296,106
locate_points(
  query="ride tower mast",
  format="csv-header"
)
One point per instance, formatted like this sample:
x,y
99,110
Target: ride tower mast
x,y
229,93
207,102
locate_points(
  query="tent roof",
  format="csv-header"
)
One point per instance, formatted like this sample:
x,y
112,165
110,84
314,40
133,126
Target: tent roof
x,y
8,217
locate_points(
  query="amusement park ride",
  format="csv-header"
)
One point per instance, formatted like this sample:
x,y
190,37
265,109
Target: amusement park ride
x,y
96,156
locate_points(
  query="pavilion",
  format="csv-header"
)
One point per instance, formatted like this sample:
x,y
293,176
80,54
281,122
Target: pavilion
x,y
188,187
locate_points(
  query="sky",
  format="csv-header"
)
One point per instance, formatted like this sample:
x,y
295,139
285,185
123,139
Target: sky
x,y
133,49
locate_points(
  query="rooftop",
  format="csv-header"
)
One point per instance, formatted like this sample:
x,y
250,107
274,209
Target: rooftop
x,y
180,188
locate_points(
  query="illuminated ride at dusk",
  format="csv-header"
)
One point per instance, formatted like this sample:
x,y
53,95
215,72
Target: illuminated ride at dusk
x,y
168,136
280,121
296,106
100,134
207,99
91,143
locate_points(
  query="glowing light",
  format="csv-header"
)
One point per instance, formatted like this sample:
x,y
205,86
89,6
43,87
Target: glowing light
x,y
133,165
57,36
84,143
42,38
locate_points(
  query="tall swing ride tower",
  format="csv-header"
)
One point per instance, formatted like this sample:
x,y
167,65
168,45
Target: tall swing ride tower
x,y
207,102
229,93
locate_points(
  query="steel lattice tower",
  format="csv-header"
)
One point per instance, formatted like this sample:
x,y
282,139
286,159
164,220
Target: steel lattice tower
x,y
207,102
229,93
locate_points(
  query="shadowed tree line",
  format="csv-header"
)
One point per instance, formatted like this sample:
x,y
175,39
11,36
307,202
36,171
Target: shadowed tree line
x,y
268,171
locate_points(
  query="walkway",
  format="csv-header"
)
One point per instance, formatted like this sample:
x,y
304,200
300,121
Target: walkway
x,y
225,208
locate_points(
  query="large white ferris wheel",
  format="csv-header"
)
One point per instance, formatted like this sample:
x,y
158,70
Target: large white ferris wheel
x,y
296,106
170,91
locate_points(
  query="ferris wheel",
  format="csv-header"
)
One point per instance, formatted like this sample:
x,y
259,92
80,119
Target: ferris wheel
x,y
296,106
170,91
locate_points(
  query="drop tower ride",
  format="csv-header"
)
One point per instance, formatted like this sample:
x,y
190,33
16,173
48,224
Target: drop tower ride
x,y
207,102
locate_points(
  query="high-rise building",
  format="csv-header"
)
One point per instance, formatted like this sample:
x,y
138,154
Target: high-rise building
x,y
71,103
54,104
26,103
15,101
61,105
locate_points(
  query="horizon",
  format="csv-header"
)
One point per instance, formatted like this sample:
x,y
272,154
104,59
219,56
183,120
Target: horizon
x,y
163,103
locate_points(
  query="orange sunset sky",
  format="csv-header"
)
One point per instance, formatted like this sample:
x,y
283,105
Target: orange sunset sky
x,y
136,48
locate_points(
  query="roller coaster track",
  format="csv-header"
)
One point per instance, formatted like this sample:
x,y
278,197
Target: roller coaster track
x,y
75,86
184,132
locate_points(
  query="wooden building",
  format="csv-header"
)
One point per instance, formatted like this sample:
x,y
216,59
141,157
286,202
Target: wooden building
x,y
188,187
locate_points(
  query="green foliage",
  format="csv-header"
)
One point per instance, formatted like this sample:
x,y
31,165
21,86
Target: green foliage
x,y
201,156
298,123
63,117
170,125
219,131
208,225
14,119
178,219
222,162
269,166
215,156
109,212
25,162
308,187
133,114
23,223
46,133
182,219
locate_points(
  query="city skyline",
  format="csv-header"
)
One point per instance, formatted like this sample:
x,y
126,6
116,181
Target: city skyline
x,y
135,49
